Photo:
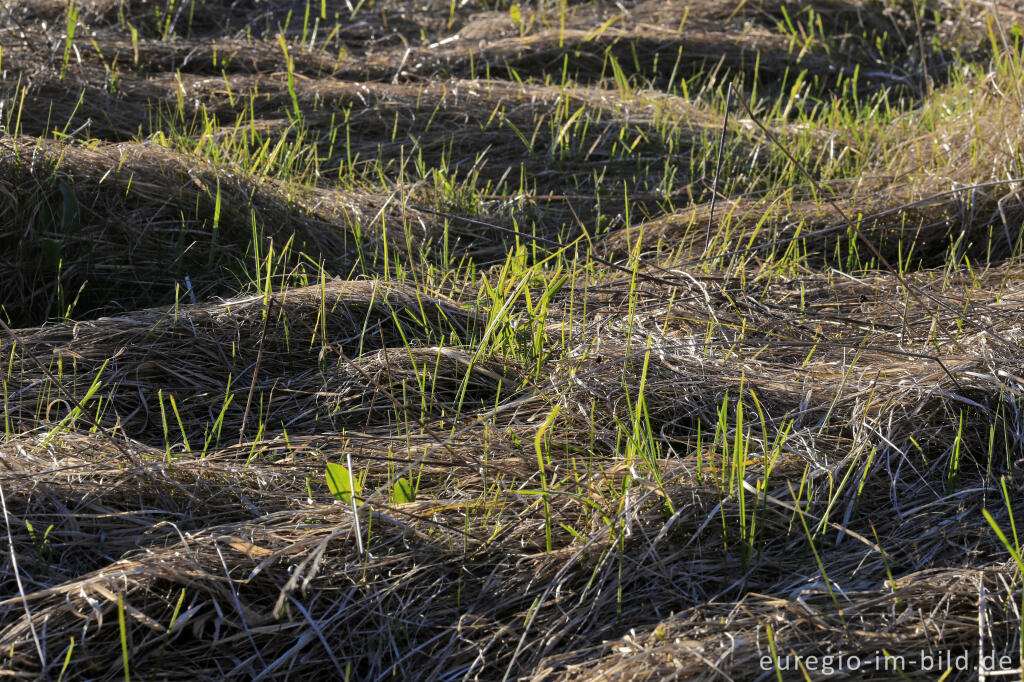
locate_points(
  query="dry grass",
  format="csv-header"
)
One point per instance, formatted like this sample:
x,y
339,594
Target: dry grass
x,y
603,425
130,221
193,352
905,225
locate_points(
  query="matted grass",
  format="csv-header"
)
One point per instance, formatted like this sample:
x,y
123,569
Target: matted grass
x,y
539,341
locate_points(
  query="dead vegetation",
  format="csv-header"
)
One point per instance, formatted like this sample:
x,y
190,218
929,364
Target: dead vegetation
x,y
909,227
480,341
303,363
122,225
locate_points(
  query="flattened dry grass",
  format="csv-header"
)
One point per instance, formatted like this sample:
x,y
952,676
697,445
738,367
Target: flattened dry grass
x,y
295,561
124,225
203,357
589,427
906,227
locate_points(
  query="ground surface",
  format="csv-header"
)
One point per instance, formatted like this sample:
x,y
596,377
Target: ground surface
x,y
402,339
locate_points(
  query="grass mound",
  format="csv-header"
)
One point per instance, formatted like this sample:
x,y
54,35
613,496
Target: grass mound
x,y
914,233
95,228
682,645
191,374
534,341
372,23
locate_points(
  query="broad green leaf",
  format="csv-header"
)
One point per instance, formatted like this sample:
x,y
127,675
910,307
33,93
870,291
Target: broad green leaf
x,y
402,491
342,483
513,12
69,219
